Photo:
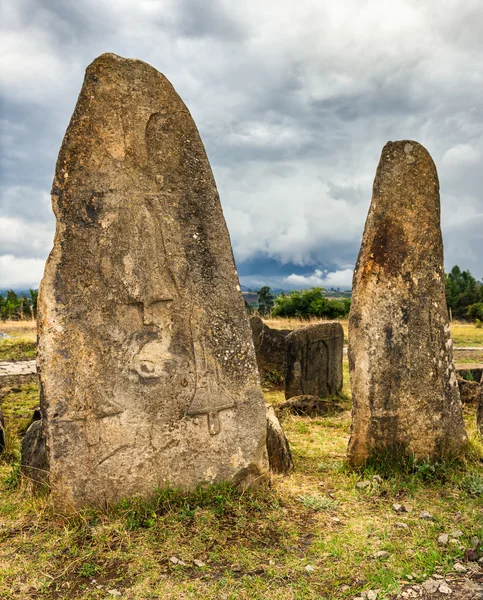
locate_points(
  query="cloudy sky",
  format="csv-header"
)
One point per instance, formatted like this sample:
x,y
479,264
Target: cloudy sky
x,y
294,100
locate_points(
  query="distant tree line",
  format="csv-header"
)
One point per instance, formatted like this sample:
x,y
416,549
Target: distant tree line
x,y
464,295
302,304
15,307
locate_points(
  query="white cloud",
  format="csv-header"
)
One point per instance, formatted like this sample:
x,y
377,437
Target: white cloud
x,y
319,278
20,273
294,102
25,239
461,154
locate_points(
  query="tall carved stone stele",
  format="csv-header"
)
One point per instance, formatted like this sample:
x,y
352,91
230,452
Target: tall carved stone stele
x,y
404,389
147,367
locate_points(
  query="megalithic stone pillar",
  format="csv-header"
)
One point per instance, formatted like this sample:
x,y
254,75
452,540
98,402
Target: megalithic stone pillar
x,y
147,367
404,389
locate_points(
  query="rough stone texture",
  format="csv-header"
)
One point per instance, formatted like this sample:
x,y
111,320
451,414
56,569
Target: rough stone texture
x,y
314,360
310,406
269,348
404,388
279,454
2,432
479,415
35,462
147,367
470,391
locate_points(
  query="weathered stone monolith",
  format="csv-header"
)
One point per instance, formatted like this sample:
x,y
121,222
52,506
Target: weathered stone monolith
x,y
404,389
269,349
146,362
314,360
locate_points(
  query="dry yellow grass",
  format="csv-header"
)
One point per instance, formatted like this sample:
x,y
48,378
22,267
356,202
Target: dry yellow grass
x,y
20,329
463,334
294,323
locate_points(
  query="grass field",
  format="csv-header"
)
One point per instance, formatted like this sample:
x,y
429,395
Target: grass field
x,y
312,535
462,334
21,341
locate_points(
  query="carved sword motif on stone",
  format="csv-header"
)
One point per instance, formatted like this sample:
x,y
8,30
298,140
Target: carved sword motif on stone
x,y
210,396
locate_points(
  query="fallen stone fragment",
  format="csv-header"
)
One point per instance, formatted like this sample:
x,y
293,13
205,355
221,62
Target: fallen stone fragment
x,y
431,586
34,462
381,554
445,589
456,534
459,568
471,554
199,563
114,592
426,516
363,484
147,367
405,394
470,391
310,568
377,479
310,406
443,539
401,508
401,525
372,594
279,455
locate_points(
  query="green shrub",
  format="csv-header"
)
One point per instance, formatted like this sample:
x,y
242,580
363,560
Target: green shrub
x,y
318,503
472,484
305,304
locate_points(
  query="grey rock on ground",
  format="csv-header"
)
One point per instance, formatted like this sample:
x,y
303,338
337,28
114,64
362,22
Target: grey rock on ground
x,y
470,391
309,406
269,348
404,389
278,449
34,458
314,360
146,361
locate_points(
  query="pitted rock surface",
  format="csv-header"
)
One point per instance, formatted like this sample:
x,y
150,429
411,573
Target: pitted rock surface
x,y
35,462
147,367
404,388
270,347
314,360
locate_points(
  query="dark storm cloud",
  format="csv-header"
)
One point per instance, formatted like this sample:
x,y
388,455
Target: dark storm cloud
x,y
294,103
